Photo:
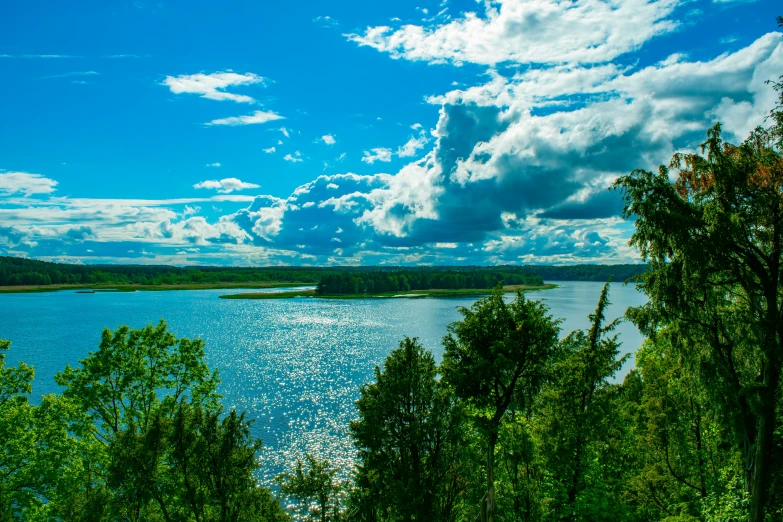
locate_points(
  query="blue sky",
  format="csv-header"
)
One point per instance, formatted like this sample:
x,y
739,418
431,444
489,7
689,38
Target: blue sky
x,y
434,132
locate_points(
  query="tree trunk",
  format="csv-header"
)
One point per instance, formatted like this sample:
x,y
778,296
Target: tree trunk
x,y
699,451
493,437
765,440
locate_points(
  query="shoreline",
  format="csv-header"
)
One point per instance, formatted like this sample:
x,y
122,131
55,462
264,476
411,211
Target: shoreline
x,y
411,294
133,287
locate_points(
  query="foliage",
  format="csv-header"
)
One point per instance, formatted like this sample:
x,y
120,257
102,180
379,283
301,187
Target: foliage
x,y
713,239
495,357
317,489
137,434
576,414
411,441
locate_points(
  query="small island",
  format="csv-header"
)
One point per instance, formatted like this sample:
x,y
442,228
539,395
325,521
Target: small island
x,y
411,294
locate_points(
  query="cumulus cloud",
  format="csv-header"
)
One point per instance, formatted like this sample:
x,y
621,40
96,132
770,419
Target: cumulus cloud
x,y
378,154
25,183
225,185
328,139
248,119
495,154
270,150
296,157
520,31
213,86
80,233
216,164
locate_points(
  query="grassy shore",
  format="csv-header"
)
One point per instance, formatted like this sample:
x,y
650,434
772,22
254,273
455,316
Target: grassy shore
x,y
146,288
413,294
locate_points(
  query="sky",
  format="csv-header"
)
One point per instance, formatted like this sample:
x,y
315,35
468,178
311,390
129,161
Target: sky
x,y
447,132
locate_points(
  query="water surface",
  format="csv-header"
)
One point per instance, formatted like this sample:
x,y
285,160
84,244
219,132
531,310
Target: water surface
x,y
295,365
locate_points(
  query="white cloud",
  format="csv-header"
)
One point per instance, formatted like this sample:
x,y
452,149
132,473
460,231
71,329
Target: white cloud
x,y
71,74
25,183
46,56
249,119
216,164
296,157
212,86
495,155
523,31
190,211
516,172
378,154
325,21
285,133
226,185
328,139
412,146
270,150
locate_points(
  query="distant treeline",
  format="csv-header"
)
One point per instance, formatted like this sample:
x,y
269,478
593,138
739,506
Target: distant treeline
x,y
16,271
406,280
619,273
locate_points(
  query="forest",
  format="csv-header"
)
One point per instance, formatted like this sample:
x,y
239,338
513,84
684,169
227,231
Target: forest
x,y
517,423
16,271
406,280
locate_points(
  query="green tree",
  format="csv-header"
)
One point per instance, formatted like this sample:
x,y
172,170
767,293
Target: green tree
x,y
685,453
518,471
576,414
409,436
315,483
34,445
155,442
16,485
213,458
497,354
714,241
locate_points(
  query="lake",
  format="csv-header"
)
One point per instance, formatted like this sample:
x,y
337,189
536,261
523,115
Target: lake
x,y
295,365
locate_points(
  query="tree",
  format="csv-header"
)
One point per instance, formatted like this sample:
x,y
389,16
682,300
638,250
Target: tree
x,y
518,477
497,354
155,442
15,436
685,459
409,437
213,460
575,416
34,445
316,483
714,241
